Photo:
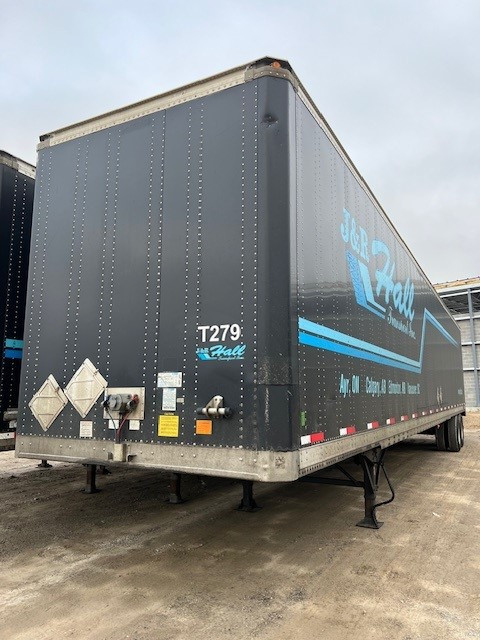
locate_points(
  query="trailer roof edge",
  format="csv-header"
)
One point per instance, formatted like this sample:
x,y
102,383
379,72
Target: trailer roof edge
x,y
185,93
16,163
275,67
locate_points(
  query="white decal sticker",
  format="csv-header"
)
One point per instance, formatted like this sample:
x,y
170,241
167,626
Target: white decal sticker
x,y
134,425
86,429
169,401
169,379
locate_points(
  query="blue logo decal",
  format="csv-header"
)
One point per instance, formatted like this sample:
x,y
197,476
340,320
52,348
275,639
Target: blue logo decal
x,y
222,352
398,296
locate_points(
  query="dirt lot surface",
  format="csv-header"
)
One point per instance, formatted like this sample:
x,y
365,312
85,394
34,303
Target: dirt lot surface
x,y
124,564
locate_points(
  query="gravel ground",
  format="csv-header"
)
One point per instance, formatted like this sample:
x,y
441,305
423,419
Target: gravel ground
x,y
124,564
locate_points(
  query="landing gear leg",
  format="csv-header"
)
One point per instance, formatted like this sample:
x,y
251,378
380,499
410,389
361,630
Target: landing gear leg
x,y
44,465
175,496
371,470
247,502
91,486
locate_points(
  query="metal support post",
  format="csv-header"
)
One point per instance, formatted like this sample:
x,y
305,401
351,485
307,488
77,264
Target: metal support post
x,y
90,486
247,502
371,465
44,465
370,468
175,496
474,348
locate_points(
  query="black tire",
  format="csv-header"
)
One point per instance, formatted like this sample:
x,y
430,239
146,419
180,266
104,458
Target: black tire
x,y
461,431
441,437
453,428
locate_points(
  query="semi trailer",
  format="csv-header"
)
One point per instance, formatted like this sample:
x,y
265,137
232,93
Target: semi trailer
x,y
17,181
214,289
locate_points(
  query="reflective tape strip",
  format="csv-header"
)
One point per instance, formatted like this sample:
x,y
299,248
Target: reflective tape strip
x,y
403,418
312,438
348,431
391,420
373,425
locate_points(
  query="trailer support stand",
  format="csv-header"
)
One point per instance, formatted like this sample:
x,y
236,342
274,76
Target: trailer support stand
x,y
175,496
91,486
371,470
371,465
247,502
44,465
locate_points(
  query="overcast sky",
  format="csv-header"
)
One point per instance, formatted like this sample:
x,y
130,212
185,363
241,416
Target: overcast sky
x,y
398,81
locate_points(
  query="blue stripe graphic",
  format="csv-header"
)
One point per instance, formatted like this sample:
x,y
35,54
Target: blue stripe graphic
x,y
13,353
325,338
13,344
328,345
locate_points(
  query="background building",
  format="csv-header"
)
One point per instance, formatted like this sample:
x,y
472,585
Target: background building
x,y
462,297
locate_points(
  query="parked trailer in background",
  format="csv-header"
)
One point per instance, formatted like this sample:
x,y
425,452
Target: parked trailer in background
x,y
215,290
17,181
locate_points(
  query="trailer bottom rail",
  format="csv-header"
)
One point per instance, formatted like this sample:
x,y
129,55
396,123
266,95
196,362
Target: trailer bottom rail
x,y
372,463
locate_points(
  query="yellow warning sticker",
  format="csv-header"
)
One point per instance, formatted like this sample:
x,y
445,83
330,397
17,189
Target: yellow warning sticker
x,y
168,426
203,427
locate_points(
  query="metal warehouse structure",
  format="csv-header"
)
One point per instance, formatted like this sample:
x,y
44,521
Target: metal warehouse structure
x,y
462,297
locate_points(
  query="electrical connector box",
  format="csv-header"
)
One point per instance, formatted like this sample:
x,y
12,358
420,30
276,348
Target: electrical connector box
x,y
138,413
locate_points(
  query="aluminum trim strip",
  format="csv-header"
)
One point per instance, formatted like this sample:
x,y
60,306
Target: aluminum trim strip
x,y
21,166
145,107
260,466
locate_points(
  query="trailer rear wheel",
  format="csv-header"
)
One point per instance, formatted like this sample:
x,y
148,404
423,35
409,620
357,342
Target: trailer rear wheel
x,y
453,436
462,431
441,437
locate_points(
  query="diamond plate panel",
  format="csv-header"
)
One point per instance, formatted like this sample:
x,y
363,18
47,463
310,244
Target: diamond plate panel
x,y
48,402
85,387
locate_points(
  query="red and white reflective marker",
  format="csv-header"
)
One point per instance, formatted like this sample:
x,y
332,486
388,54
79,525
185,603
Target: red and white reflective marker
x,y
348,431
312,438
